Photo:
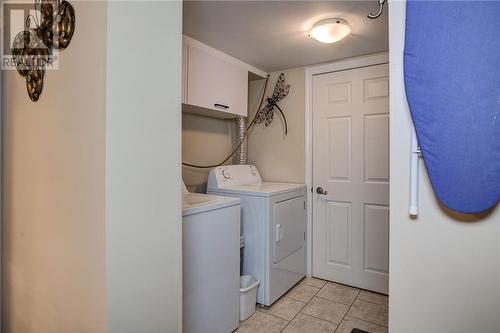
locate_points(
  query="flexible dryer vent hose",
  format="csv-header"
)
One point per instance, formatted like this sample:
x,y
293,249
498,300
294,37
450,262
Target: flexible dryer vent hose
x,y
241,127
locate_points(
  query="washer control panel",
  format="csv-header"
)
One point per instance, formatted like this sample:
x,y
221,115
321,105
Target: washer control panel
x,y
228,175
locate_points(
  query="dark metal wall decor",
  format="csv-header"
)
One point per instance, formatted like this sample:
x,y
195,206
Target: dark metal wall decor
x,y
266,114
32,48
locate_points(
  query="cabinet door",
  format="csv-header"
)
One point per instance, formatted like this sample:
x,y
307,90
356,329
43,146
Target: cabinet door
x,y
216,84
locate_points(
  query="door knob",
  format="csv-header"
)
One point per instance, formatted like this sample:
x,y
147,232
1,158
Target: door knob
x,y
320,190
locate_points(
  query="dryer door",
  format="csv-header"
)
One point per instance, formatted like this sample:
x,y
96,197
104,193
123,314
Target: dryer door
x,y
289,227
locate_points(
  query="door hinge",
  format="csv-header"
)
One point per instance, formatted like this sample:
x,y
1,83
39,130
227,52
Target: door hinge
x,y
304,205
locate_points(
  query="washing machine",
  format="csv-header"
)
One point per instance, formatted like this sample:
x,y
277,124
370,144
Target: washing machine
x,y
210,263
273,217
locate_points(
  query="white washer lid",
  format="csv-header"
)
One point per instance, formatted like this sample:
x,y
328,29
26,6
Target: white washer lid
x,y
194,203
264,189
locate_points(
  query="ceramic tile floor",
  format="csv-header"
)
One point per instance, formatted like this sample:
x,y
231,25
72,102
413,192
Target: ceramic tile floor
x,y
318,306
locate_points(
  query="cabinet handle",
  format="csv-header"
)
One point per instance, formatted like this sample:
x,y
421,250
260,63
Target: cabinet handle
x,y
221,106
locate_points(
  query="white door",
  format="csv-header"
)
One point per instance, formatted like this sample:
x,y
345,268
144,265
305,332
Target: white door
x,y
351,165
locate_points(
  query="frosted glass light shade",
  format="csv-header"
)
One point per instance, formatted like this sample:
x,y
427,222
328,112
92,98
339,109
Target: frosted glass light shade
x,y
330,30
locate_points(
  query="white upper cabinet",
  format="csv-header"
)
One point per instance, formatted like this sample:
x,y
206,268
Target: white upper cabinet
x,y
214,84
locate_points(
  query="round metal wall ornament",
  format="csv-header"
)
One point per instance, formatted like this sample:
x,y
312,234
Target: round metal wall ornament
x,y
34,82
58,24
31,56
32,48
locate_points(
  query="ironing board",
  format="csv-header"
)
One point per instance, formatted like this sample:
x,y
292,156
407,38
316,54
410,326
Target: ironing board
x,y
452,82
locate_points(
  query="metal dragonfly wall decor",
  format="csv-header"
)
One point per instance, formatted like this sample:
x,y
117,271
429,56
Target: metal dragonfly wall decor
x,y
32,48
266,114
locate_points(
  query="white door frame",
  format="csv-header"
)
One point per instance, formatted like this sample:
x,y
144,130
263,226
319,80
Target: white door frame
x,y
341,65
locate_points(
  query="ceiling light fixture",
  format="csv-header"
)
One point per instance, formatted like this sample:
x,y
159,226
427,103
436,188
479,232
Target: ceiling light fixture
x,y
330,30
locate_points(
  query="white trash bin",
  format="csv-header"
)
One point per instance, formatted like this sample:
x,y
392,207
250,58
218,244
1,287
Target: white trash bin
x,y
248,296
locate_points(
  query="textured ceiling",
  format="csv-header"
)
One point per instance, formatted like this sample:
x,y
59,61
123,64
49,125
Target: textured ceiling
x,y
272,35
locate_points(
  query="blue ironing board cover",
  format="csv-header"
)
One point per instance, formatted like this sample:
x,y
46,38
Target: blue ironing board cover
x,y
452,79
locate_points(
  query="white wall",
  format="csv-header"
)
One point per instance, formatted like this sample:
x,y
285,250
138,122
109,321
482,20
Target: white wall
x,y
143,174
53,221
444,268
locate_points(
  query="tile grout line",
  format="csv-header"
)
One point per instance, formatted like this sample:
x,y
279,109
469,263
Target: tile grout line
x,y
322,319
331,300
316,295
371,302
294,317
368,321
345,314
363,319
300,311
270,314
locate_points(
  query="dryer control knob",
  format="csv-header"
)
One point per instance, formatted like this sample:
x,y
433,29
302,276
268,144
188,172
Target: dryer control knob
x,y
226,174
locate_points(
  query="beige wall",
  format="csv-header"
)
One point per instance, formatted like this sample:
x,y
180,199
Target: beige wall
x,y
204,141
444,267
53,237
278,157
91,219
